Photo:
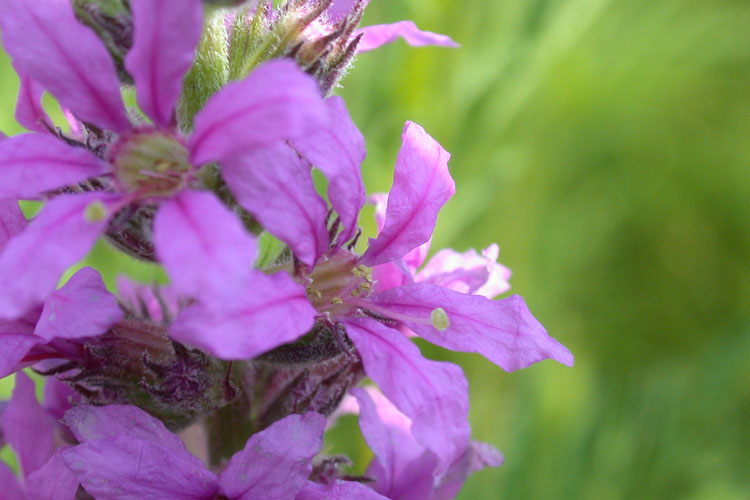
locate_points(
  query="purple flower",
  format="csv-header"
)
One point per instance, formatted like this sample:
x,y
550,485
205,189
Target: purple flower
x,y
341,289
29,430
127,454
200,242
402,468
81,309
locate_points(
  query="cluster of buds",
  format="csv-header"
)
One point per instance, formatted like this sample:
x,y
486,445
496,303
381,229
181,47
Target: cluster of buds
x,y
252,349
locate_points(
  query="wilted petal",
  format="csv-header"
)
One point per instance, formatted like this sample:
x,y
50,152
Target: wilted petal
x,y
29,110
27,428
476,457
165,34
97,423
338,490
272,310
276,101
53,481
11,487
381,34
81,308
48,44
467,272
338,151
276,186
434,395
33,261
503,331
421,186
33,163
128,469
12,221
203,245
275,462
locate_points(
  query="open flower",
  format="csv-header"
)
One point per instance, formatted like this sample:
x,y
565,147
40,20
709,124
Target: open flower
x,y
200,242
402,468
341,289
125,453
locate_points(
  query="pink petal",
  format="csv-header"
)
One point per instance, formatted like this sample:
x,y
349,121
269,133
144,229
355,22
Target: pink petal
x,y
467,272
26,427
434,395
12,221
476,457
338,490
59,397
270,303
164,40
338,151
276,186
275,462
503,331
388,434
11,487
203,246
81,308
340,8
276,101
49,45
160,303
381,34
53,481
421,186
127,469
98,423
13,348
33,261
33,163
29,110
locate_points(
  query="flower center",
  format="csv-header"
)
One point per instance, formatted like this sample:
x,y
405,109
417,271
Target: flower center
x,y
154,163
338,281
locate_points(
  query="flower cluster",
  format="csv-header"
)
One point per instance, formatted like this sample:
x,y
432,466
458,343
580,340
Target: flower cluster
x,y
246,351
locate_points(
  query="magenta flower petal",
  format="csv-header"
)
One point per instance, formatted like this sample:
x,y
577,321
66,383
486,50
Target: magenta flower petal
x,y
276,186
81,308
126,468
11,488
276,462
164,40
33,261
381,34
13,348
89,423
29,110
340,8
59,397
203,245
338,152
12,221
272,303
476,457
401,467
52,481
503,331
338,490
421,186
26,426
434,395
33,163
48,44
467,272
276,101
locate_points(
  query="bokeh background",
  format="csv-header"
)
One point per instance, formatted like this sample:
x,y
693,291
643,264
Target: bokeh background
x,y
605,145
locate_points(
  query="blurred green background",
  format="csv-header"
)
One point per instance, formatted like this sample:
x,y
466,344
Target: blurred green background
x,y
605,145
